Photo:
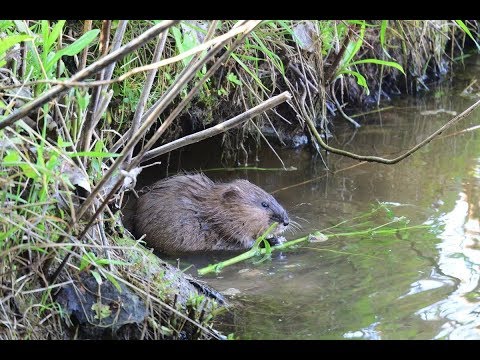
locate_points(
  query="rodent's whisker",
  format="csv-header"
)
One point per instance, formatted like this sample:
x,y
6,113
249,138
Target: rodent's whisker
x,y
303,219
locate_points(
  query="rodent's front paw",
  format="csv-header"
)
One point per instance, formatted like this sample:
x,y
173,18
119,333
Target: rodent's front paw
x,y
276,240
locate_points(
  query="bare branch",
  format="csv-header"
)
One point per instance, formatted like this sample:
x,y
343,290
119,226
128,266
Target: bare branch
x,y
381,160
219,128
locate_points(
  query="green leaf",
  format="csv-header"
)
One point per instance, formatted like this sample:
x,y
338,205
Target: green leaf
x,y
45,31
87,259
467,31
101,311
97,277
96,154
353,48
114,282
52,162
6,235
248,57
29,171
16,198
12,158
379,62
245,67
233,78
287,27
62,143
383,30
57,29
82,99
277,62
5,24
112,261
177,35
360,78
75,47
9,41
189,42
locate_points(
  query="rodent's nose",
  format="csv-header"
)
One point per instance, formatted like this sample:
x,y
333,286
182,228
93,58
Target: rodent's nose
x,y
286,222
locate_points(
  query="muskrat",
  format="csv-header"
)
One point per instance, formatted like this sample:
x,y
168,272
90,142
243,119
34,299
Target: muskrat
x,y
185,213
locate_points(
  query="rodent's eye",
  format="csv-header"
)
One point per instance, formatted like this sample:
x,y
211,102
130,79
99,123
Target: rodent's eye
x,y
265,205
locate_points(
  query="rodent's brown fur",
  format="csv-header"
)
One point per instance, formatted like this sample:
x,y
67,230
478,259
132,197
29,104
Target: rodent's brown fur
x,y
186,213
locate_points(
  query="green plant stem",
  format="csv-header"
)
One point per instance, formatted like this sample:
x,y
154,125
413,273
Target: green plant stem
x,y
376,232
255,250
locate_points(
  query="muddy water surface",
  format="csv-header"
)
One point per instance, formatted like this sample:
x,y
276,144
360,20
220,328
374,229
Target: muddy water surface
x,y
423,285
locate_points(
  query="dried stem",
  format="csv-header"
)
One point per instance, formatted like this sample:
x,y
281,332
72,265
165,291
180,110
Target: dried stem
x,y
89,124
142,102
87,26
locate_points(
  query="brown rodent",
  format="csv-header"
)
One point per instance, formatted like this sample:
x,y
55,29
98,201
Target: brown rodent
x,y
185,213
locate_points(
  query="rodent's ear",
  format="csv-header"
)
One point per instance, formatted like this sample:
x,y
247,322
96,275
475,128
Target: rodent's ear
x,y
232,192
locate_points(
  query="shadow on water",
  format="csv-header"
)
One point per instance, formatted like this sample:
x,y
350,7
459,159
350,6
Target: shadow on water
x,y
422,286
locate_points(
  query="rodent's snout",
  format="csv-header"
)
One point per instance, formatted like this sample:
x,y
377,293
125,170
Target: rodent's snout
x,y
281,218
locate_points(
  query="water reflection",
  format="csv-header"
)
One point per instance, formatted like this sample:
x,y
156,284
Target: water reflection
x,y
368,333
459,257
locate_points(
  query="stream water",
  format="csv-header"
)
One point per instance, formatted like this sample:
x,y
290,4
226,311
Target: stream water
x,y
423,284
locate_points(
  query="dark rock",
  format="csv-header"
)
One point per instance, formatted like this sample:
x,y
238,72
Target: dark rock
x,y
101,311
